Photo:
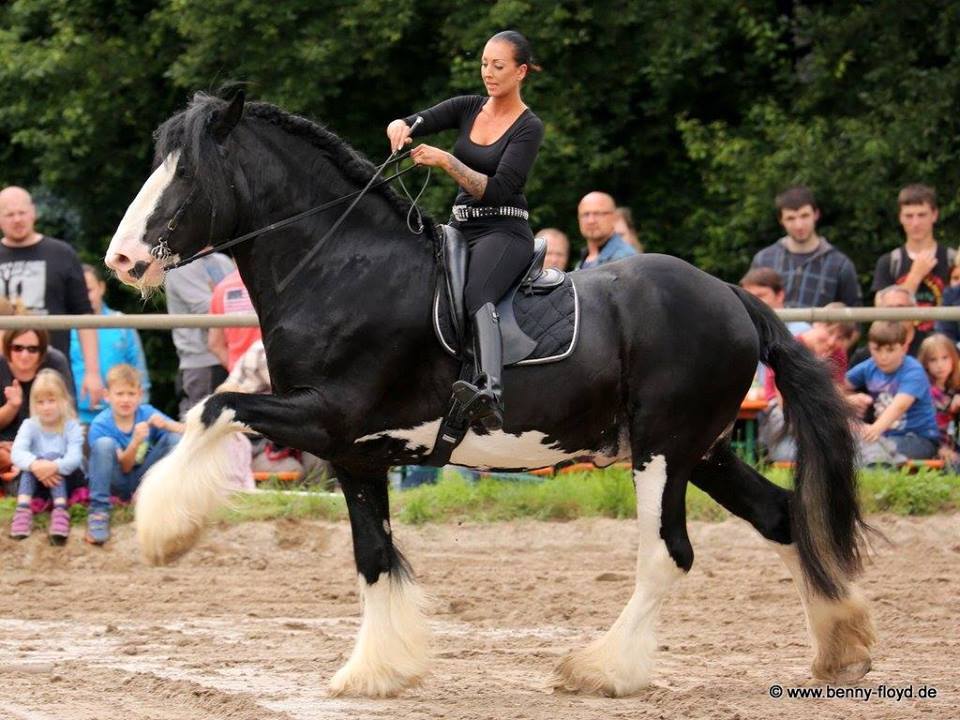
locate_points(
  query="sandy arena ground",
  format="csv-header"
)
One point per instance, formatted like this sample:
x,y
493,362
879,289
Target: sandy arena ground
x,y
254,622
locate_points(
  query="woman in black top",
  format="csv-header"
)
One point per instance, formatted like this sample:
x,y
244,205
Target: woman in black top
x,y
498,142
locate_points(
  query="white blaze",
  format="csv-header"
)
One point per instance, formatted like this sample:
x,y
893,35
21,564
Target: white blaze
x,y
128,239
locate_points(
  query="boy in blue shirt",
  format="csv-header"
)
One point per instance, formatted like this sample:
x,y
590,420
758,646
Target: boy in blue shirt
x,y
125,440
897,387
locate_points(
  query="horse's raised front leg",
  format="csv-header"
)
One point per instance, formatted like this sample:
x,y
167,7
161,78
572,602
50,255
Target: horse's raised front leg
x,y
180,492
391,651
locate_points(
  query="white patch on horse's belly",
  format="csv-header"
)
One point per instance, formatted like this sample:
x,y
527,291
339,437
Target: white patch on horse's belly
x,y
494,450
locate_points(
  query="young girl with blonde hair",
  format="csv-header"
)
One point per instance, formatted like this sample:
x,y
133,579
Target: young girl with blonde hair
x,y
940,359
49,449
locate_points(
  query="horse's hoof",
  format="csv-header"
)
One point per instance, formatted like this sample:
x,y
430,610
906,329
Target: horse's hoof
x,y
374,683
578,672
845,675
169,551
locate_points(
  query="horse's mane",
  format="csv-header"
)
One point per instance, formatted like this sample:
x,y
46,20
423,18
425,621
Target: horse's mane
x,y
187,132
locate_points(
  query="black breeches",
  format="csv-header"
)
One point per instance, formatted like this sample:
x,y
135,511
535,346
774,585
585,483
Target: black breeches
x,y
497,258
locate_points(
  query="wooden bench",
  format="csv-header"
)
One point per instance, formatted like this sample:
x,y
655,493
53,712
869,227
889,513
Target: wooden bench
x,y
291,476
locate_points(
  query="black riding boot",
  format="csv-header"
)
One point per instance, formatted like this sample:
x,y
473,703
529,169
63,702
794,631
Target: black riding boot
x,y
481,399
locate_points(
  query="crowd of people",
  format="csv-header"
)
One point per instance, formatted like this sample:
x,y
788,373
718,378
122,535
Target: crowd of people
x,y
902,385
76,423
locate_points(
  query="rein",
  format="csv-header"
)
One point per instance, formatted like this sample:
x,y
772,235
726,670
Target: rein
x,y
161,250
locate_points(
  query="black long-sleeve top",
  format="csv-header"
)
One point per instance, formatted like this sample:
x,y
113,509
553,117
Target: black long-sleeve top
x,y
506,162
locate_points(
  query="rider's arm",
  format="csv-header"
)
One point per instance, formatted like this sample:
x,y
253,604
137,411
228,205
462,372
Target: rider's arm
x,y
445,115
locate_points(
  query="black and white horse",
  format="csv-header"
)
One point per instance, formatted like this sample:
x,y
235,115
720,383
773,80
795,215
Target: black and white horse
x,y
665,355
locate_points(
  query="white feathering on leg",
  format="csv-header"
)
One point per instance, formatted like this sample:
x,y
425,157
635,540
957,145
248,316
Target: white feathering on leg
x,y
621,661
180,492
392,648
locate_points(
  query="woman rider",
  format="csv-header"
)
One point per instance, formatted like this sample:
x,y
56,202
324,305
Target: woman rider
x,y
498,142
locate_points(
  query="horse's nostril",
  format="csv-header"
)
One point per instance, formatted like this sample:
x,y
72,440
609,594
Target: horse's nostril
x,y
139,270
118,262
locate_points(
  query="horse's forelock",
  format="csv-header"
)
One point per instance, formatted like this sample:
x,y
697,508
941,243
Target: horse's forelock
x,y
188,133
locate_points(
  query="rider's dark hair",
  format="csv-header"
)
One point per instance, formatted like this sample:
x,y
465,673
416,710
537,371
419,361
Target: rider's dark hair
x,y
522,54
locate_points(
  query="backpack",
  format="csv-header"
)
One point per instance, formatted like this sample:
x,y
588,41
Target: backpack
x,y
896,260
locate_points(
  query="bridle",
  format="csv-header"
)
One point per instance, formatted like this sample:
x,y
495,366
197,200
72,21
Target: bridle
x,y
161,250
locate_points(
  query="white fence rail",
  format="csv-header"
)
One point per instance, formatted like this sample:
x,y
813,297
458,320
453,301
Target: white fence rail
x,y
169,322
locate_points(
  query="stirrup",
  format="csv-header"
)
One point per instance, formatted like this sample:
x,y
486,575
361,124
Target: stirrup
x,y
479,404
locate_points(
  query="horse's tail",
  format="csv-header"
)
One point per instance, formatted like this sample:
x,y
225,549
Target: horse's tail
x,y
825,514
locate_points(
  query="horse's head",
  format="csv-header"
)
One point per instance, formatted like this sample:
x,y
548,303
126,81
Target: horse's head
x,y
184,200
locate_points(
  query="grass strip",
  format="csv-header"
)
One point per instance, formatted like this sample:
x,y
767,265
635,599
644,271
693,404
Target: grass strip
x,y
600,493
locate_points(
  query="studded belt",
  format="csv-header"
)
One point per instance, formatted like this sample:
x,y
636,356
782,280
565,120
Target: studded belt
x,y
469,212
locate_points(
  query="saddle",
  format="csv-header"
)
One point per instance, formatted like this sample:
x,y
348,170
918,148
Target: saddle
x,y
539,315
539,323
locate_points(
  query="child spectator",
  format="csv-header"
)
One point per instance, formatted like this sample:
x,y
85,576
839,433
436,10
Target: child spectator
x,y
826,340
897,388
125,440
114,345
48,448
940,359
230,297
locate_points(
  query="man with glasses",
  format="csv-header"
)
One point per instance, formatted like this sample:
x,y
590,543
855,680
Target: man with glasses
x,y
597,215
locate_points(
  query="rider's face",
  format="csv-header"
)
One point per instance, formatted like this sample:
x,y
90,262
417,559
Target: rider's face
x,y
499,70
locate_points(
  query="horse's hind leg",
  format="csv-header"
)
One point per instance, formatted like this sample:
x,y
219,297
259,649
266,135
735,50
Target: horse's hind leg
x,y
391,650
841,630
180,492
620,662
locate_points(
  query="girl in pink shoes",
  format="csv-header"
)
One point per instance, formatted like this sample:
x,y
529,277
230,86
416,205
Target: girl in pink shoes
x,y
48,449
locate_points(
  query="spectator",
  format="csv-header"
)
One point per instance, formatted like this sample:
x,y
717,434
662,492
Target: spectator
x,y
115,346
940,359
765,284
623,225
126,440
250,375
189,290
896,387
596,214
558,248
826,341
43,275
894,296
921,264
951,298
814,271
49,449
230,297
25,353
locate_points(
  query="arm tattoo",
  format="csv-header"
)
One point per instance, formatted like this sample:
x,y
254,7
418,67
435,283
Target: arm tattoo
x,y
472,181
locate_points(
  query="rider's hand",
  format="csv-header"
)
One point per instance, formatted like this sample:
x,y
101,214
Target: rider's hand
x,y
398,132
429,155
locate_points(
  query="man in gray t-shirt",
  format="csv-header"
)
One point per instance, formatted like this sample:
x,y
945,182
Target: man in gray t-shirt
x,y
188,292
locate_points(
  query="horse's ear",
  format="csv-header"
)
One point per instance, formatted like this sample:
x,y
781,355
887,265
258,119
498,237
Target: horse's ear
x,y
224,123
